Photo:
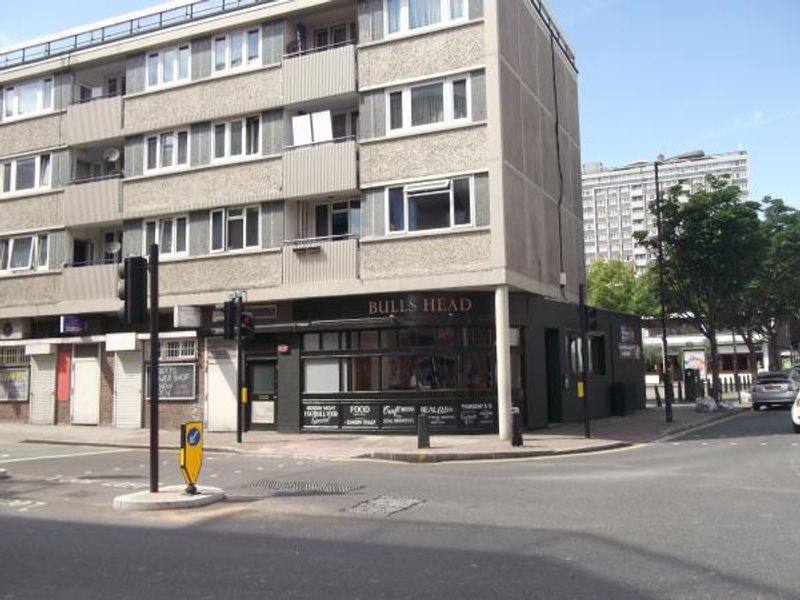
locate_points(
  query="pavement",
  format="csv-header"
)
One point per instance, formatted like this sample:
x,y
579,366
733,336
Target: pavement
x,y
609,433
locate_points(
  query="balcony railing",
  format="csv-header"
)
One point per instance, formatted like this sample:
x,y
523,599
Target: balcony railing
x,y
93,120
316,169
319,73
316,260
93,201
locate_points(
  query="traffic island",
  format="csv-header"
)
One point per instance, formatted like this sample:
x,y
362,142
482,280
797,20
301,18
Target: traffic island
x,y
169,498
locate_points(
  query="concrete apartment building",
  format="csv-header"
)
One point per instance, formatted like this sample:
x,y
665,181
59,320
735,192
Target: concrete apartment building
x,y
618,202
381,179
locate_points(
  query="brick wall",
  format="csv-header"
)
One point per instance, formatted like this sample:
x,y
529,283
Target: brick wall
x,y
14,411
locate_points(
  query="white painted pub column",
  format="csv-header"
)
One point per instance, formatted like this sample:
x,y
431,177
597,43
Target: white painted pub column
x,y
502,326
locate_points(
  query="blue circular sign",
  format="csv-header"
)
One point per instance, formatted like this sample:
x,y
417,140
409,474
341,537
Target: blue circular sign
x,y
193,437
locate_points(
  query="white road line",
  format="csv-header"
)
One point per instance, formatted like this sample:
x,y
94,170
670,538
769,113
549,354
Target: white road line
x,y
763,444
76,454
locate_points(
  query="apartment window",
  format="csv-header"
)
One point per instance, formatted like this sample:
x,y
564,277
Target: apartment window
x,y
171,234
404,15
235,228
28,98
337,219
24,252
26,173
428,104
336,35
167,150
236,138
430,205
237,49
168,65
344,125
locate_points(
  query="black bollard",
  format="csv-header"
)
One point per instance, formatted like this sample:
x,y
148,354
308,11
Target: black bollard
x,y
658,396
423,435
516,427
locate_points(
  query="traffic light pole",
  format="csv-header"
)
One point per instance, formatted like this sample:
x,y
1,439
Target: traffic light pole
x,y
154,368
239,371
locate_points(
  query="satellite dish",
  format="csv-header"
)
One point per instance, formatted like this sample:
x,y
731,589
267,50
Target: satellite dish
x,y
111,155
113,247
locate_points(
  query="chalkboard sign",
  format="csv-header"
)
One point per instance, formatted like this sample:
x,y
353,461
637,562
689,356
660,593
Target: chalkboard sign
x,y
360,415
320,415
439,415
478,413
14,385
399,415
175,381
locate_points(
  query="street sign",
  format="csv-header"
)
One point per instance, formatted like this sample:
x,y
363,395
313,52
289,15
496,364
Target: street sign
x,y
191,454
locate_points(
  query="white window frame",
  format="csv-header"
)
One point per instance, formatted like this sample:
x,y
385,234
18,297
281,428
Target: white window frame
x,y
449,108
161,67
38,184
173,221
38,240
227,157
432,187
225,219
403,25
349,210
246,63
175,164
11,99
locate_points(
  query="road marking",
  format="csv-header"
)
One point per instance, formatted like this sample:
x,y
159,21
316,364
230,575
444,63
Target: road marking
x,y
733,444
676,443
237,472
262,468
763,444
21,505
704,443
76,454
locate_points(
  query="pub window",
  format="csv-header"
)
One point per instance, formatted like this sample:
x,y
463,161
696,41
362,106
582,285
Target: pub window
x,y
321,375
389,338
369,339
330,340
365,374
311,341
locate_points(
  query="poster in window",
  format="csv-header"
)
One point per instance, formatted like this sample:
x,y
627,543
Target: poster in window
x,y
399,416
440,416
360,416
14,385
321,415
477,414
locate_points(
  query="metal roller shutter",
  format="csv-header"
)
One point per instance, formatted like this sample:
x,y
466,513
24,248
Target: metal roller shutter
x,y
43,389
128,389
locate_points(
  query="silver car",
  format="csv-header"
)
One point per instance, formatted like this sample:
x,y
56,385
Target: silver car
x,y
775,388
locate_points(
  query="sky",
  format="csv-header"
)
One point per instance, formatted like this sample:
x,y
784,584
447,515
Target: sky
x,y
656,76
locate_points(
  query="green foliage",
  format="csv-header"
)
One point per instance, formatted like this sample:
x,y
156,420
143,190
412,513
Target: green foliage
x,y
613,285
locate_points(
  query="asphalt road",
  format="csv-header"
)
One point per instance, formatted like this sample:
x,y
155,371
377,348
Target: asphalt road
x,y
712,514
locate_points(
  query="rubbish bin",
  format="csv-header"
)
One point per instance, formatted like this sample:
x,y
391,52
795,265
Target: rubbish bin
x,y
618,408
691,382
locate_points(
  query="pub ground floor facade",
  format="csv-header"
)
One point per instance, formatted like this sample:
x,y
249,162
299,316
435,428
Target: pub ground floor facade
x,y
354,363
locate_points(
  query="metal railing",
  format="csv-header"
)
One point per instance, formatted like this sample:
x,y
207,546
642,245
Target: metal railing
x,y
147,23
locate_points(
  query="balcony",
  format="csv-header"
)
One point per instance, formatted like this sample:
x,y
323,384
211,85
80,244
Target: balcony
x,y
319,74
92,202
93,120
95,282
317,260
325,168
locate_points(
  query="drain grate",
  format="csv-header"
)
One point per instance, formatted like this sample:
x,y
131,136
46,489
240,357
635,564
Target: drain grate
x,y
304,487
384,506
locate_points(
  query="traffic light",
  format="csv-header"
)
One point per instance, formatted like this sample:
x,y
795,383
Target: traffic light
x,y
132,290
229,310
591,318
247,325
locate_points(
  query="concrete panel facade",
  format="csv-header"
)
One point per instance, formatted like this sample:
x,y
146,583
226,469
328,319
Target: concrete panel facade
x,y
30,135
32,212
426,255
224,185
25,291
221,273
454,49
449,151
248,92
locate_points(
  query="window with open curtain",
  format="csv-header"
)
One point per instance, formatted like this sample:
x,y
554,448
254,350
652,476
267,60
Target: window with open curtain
x,y
424,12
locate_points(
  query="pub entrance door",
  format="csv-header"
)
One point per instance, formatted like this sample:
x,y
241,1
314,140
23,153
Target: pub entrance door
x,y
262,383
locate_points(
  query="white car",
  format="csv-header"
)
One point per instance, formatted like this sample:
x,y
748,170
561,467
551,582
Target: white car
x,y
796,414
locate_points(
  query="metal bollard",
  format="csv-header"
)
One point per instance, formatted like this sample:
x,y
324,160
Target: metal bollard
x,y
423,434
658,396
516,427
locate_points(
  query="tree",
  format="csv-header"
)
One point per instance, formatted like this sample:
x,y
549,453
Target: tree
x,y
712,244
614,285
772,298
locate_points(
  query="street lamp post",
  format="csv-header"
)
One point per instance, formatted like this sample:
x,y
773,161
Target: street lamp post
x,y
665,365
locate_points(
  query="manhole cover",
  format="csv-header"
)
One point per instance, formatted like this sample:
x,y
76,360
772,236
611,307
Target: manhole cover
x,y
384,506
304,487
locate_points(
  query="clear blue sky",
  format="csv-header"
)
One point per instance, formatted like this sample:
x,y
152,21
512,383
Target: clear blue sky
x,y
670,76
655,76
